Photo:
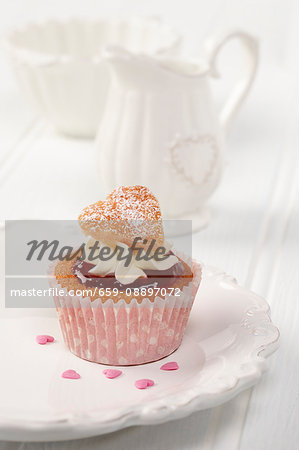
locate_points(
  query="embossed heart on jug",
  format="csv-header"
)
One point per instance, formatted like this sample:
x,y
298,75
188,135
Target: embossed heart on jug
x,y
185,151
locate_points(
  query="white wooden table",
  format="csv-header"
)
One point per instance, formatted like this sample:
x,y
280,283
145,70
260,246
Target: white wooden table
x,y
254,233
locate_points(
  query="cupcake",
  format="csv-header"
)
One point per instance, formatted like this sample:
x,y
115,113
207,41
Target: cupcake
x,y
127,294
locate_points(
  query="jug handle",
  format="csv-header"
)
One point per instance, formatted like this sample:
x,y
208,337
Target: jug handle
x,y
213,46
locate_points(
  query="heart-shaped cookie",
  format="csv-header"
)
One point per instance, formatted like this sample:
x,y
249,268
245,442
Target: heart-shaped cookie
x,y
127,213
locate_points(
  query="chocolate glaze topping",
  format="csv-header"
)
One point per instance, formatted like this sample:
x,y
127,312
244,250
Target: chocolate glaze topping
x,y
154,278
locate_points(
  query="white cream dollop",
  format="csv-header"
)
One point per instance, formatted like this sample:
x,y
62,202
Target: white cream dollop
x,y
125,274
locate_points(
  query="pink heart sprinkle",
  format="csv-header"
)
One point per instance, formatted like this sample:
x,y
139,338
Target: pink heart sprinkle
x,y
149,382
70,373
144,383
42,339
170,366
112,373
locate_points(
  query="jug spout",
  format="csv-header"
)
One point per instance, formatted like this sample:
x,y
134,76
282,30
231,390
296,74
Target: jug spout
x,y
115,54
157,72
128,68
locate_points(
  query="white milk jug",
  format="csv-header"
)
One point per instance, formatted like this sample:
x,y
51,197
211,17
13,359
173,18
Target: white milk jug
x,y
161,129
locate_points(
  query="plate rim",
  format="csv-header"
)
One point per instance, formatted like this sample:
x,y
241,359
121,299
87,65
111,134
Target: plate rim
x,y
72,426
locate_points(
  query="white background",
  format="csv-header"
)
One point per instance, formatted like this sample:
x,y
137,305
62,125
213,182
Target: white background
x,y
254,232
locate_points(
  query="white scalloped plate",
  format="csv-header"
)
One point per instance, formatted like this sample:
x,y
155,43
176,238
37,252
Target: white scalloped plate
x,y
228,337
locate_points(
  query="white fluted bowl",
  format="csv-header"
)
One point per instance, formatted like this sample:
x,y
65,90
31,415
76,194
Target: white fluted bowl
x,y
60,69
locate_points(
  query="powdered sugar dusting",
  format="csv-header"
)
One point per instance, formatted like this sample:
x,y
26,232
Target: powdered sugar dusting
x,y
134,203
130,211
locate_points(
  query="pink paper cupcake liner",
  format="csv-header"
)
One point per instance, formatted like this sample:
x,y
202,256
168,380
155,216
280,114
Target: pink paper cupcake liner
x,y
121,333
